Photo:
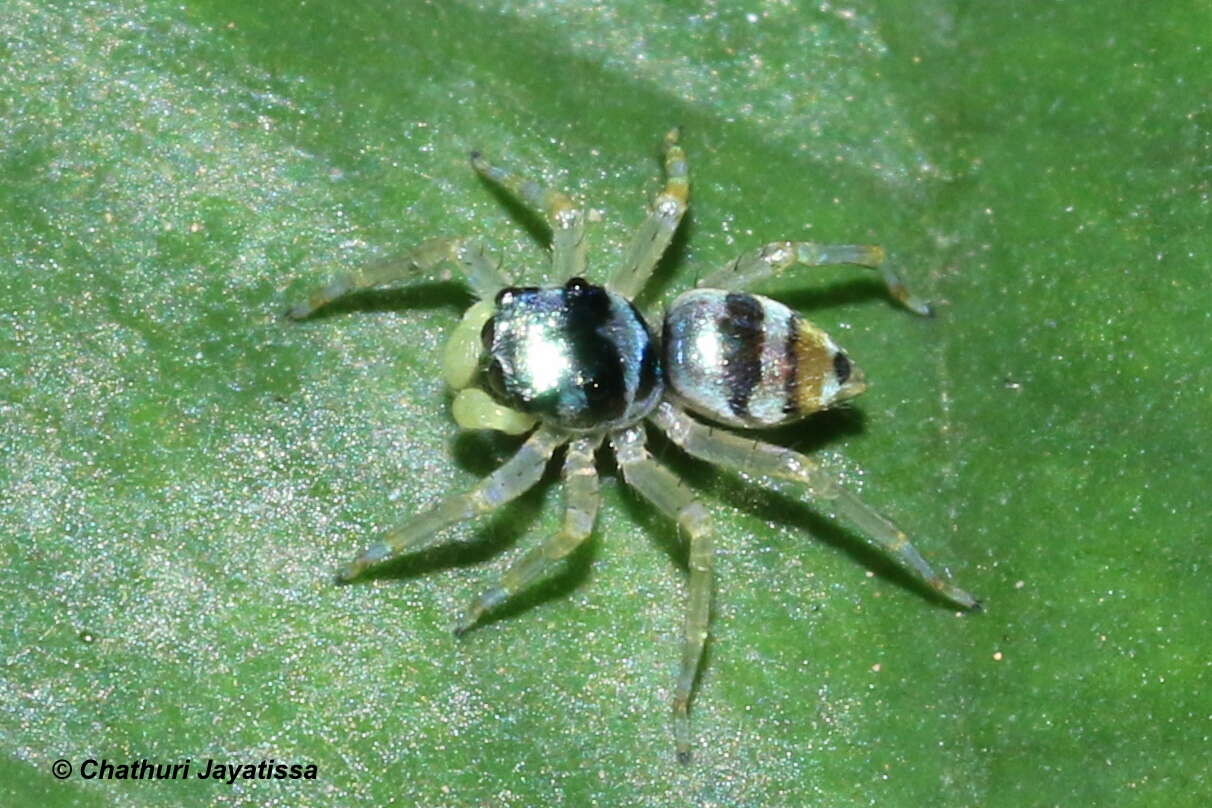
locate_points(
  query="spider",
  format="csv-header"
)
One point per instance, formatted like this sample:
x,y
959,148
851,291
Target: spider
x,y
576,364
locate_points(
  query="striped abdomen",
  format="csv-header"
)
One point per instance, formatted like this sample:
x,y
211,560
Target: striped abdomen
x,y
750,361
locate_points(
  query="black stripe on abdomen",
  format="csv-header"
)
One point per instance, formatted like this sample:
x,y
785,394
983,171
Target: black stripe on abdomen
x,y
791,361
743,335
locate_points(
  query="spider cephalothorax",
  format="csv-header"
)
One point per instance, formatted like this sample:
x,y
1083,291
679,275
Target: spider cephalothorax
x,y
576,356
576,364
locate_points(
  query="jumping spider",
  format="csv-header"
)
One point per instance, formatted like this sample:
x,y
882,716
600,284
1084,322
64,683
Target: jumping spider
x,y
576,364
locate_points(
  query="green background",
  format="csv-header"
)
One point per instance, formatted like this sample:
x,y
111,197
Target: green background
x,y
184,470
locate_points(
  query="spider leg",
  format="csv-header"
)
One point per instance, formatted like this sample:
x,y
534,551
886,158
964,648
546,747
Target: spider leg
x,y
467,256
581,500
657,230
777,257
508,482
723,448
565,217
671,496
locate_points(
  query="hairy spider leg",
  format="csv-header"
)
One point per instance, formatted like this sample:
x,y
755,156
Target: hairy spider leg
x,y
565,218
581,500
772,260
467,256
671,496
657,230
748,456
511,480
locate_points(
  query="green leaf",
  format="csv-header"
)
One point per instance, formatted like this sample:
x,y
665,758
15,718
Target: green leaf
x,y
185,470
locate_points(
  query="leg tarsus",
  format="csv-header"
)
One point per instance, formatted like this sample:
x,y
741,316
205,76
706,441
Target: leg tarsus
x,y
681,730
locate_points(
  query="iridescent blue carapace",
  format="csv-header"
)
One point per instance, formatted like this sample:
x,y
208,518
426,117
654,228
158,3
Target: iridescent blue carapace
x,y
575,355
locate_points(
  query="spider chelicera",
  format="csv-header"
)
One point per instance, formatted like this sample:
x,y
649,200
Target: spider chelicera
x,y
577,364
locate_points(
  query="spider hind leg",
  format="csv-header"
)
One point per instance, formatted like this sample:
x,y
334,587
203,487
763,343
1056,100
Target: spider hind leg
x,y
752,457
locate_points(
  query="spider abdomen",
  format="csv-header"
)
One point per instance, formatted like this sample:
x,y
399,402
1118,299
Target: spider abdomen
x,y
577,356
750,361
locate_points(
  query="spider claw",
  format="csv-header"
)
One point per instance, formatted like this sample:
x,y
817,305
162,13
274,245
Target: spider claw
x,y
465,625
354,569
961,598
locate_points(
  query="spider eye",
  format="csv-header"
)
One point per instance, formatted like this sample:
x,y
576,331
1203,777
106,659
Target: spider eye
x,y
496,378
597,393
576,286
509,295
488,333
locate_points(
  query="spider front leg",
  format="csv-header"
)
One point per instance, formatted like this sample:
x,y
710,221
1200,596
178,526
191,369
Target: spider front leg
x,y
508,482
467,256
671,496
581,500
566,219
657,230
723,448
776,258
